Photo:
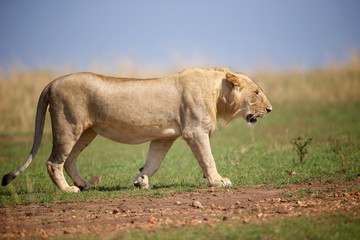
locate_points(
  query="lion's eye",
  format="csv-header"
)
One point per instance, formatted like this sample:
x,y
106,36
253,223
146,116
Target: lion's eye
x,y
257,93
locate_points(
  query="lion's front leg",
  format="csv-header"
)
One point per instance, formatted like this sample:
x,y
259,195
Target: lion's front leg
x,y
156,154
200,146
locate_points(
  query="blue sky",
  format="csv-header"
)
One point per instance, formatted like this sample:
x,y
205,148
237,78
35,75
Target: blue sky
x,y
238,34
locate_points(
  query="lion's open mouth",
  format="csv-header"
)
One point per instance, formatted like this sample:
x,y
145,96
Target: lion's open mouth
x,y
251,118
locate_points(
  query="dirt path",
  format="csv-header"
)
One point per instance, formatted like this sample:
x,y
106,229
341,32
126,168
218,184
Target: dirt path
x,y
177,209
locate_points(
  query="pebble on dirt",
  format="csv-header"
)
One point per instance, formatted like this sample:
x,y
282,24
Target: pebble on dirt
x,y
197,204
116,211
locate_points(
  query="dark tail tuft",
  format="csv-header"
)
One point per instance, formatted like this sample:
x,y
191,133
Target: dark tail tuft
x,y
7,179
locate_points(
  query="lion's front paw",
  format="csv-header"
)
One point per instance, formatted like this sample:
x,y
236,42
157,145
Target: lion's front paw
x,y
220,183
142,181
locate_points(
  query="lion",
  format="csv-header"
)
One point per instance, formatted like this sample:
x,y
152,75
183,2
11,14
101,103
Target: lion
x,y
133,111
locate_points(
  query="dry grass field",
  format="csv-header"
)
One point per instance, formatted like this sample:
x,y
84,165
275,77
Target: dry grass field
x,y
332,84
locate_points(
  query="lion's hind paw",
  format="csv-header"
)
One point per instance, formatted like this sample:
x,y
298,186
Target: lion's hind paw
x,y
143,181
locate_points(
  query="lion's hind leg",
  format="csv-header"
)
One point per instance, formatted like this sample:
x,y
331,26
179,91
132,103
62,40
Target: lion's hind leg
x,y
70,164
64,139
55,166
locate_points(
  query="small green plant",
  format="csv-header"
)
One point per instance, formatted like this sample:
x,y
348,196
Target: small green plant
x,y
335,145
300,146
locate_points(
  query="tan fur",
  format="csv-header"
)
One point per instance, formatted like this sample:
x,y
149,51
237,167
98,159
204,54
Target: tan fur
x,y
132,111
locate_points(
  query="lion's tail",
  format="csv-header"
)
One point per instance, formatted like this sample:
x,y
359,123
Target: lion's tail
x,y
39,128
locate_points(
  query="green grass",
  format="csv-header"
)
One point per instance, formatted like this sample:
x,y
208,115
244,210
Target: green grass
x,y
247,156
322,226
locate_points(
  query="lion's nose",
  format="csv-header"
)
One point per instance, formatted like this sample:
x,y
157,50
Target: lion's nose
x,y
268,109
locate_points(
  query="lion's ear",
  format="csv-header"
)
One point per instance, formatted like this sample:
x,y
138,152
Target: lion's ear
x,y
232,80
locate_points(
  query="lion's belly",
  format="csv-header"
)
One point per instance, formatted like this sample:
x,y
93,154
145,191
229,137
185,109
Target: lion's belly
x,y
137,134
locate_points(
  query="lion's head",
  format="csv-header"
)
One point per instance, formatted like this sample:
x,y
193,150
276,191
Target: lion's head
x,y
244,99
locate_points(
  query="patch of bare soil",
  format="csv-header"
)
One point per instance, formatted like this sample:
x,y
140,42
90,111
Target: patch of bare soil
x,y
206,206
